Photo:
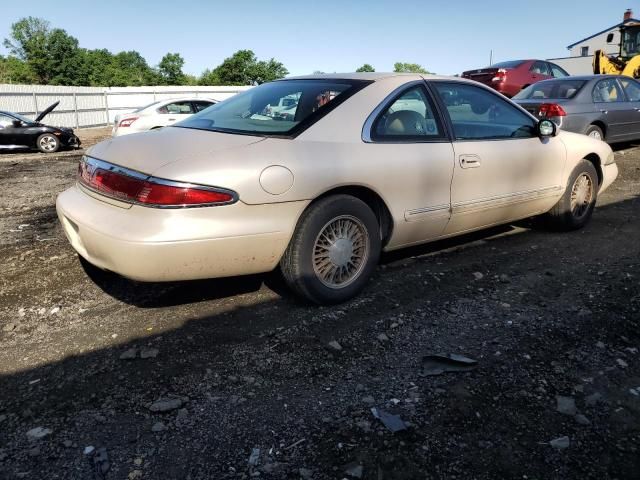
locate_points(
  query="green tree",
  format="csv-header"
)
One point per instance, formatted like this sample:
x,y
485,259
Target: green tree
x,y
170,68
366,68
63,59
400,67
28,42
243,68
14,70
209,77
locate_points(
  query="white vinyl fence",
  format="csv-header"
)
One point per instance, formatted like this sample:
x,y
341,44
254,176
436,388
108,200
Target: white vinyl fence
x,y
95,106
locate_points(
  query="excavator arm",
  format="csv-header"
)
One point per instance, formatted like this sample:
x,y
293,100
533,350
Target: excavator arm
x,y
606,65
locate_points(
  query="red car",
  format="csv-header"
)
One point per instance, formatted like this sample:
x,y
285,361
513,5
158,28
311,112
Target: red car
x,y
510,77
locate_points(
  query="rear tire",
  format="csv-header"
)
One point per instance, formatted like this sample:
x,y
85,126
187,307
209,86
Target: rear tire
x,y
334,250
595,132
48,143
575,207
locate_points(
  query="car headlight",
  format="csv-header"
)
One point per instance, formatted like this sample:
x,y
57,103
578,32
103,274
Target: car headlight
x,y
611,158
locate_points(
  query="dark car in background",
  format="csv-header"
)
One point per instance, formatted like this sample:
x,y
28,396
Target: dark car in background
x,y
510,77
606,107
18,132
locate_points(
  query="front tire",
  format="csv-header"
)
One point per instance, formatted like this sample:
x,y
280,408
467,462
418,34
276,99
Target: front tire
x,y
575,207
334,250
48,143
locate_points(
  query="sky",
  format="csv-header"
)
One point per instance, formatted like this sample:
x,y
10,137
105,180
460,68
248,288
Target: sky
x,y
329,36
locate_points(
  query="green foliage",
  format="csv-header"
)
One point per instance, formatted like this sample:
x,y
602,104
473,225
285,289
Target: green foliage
x,y
400,67
42,55
366,68
243,68
170,69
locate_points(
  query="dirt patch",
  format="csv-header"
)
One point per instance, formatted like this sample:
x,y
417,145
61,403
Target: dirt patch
x,y
251,384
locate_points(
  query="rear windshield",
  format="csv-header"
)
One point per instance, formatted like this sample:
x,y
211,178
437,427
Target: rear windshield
x,y
509,64
278,108
551,89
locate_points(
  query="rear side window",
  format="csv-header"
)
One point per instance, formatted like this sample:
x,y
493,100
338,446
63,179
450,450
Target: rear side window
x,y
556,89
179,108
409,117
607,91
477,114
539,68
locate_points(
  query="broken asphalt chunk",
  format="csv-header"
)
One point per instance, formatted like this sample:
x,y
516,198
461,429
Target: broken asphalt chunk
x,y
393,422
439,364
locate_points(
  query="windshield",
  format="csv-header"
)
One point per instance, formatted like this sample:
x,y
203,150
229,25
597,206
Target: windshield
x,y
509,64
631,42
557,89
23,119
277,108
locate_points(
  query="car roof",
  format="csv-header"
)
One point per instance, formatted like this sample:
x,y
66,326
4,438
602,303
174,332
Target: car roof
x,y
370,76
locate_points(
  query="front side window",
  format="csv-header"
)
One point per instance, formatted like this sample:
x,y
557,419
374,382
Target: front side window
x,y
201,105
631,88
551,89
410,116
5,121
607,91
557,72
283,107
478,114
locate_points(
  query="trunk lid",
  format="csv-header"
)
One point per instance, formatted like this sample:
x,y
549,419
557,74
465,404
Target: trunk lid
x,y
482,75
146,152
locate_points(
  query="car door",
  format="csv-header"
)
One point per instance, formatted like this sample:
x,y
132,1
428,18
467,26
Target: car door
x,y
632,91
503,171
405,137
7,130
174,112
618,115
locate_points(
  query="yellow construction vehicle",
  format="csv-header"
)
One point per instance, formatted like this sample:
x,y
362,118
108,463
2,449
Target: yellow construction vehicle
x,y
627,62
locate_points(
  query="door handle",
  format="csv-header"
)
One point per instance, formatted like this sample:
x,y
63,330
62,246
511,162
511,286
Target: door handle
x,y
469,161
604,111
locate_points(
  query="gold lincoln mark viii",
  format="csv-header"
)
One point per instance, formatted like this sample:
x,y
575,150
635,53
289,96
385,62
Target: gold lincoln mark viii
x,y
318,174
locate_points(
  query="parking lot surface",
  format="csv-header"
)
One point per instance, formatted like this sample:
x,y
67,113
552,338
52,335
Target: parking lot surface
x,y
235,378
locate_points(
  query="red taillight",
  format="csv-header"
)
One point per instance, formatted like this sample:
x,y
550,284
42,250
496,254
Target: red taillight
x,y
551,110
97,176
126,122
500,75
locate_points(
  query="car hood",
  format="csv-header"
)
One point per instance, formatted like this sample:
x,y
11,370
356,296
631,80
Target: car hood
x,y
46,111
147,152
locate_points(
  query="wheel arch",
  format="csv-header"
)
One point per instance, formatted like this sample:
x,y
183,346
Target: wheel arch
x,y
373,200
597,163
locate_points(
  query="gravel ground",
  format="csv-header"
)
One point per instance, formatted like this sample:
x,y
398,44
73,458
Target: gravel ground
x,y
101,377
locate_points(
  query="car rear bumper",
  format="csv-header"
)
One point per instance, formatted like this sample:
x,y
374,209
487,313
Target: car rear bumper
x,y
150,244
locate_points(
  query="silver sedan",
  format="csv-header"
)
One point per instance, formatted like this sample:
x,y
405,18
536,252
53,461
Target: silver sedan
x,y
355,164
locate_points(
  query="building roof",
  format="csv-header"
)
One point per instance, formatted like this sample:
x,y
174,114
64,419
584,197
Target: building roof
x,y
618,25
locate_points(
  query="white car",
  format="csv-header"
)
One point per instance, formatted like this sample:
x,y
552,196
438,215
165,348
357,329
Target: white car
x,y
159,114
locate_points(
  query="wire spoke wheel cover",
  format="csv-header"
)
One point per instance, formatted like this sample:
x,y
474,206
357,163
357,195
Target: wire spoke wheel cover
x,y
48,143
581,195
340,251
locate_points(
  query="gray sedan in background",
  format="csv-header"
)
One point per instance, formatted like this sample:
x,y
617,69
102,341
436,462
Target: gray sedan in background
x,y
606,107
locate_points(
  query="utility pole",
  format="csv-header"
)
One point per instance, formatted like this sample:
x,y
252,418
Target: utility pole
x,y
490,57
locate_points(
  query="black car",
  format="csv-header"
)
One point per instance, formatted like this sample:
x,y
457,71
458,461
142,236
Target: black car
x,y
17,132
